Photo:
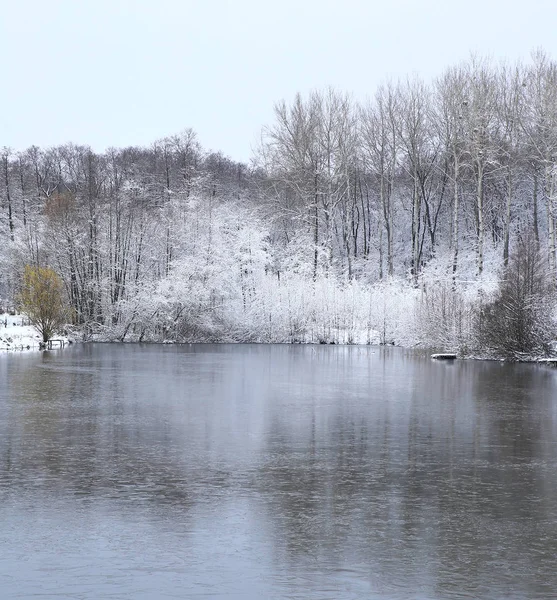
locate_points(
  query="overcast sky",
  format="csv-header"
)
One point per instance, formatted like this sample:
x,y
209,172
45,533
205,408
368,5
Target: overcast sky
x,y
128,72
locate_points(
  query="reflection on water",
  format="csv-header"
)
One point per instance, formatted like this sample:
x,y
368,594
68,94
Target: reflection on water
x,y
141,472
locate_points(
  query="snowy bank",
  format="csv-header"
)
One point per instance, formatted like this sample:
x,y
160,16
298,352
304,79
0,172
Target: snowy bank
x,y
16,333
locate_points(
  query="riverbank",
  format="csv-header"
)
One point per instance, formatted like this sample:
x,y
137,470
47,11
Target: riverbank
x,y
17,334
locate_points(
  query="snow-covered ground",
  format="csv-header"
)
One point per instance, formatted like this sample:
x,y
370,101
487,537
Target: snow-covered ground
x,y
17,334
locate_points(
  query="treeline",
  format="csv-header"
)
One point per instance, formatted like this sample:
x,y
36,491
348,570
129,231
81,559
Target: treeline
x,y
106,222
354,222
466,162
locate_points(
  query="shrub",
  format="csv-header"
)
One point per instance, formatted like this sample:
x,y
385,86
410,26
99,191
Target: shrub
x,y
42,299
518,321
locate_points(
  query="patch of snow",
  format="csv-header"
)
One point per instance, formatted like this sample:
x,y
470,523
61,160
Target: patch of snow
x,y
16,333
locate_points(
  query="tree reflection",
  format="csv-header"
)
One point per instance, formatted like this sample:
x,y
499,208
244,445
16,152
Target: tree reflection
x,y
425,491
416,475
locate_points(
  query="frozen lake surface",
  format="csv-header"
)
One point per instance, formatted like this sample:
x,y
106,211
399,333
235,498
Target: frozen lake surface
x,y
285,472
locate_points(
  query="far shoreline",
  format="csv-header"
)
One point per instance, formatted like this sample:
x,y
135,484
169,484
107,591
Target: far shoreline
x,y
549,361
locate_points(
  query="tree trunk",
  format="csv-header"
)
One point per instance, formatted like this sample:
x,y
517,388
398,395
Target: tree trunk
x,y
315,232
480,217
416,220
535,209
506,235
549,189
8,196
455,218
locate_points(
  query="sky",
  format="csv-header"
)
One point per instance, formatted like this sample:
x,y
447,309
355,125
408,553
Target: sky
x,y
115,73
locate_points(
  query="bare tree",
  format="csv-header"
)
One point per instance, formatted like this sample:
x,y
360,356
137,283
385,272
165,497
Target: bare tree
x,y
380,147
539,123
517,323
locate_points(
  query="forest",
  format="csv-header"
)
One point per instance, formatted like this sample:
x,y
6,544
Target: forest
x,y
424,216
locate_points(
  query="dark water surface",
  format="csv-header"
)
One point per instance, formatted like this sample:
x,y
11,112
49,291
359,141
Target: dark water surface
x,y
295,472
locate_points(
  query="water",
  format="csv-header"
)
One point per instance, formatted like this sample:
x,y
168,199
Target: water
x,y
284,472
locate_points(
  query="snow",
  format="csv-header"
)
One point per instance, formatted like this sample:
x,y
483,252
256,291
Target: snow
x,y
17,334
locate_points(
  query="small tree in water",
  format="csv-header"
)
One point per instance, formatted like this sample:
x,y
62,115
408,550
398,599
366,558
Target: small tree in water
x,y
42,299
519,321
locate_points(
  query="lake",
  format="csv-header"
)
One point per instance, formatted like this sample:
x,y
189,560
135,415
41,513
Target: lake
x,y
267,471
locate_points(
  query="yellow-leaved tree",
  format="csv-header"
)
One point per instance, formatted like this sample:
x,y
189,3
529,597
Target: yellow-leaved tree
x,y
42,298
